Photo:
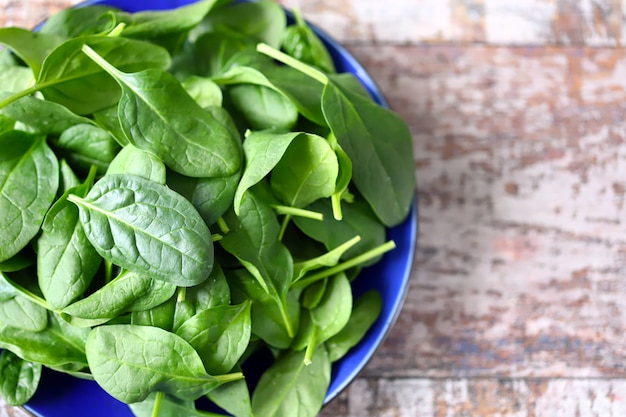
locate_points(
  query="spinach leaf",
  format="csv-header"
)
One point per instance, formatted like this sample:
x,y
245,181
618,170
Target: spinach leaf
x,y
264,21
366,310
21,260
79,21
168,405
150,24
188,139
303,44
67,73
15,79
20,378
67,177
119,296
262,150
43,116
58,344
6,124
21,313
262,107
289,387
147,228
108,120
332,312
66,261
31,47
220,335
213,53
268,316
306,172
212,197
130,362
204,91
133,161
213,292
233,397
379,145
86,145
253,239
162,316
29,178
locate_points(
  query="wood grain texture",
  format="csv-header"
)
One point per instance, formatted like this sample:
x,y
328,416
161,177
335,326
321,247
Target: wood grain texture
x,y
518,113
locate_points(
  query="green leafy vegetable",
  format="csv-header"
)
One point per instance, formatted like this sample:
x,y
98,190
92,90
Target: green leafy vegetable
x,y
129,362
20,378
147,228
29,178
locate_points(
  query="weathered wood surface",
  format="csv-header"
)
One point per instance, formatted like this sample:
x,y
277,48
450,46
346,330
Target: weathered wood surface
x,y
518,108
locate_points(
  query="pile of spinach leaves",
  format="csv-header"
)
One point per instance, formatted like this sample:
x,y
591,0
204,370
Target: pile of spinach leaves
x,y
180,190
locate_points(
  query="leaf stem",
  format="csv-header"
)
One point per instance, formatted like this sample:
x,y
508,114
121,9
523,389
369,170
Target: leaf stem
x,y
221,223
102,63
14,97
292,62
335,200
182,294
298,212
157,404
310,348
357,260
283,227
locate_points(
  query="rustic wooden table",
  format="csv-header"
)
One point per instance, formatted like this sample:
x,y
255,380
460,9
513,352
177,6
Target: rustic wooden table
x,y
518,108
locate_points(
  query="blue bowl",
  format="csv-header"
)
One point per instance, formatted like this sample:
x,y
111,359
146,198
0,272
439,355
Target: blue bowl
x,y
60,395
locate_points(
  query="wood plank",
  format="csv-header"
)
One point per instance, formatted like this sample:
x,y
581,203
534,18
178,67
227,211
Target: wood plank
x,y
481,397
521,161
6,411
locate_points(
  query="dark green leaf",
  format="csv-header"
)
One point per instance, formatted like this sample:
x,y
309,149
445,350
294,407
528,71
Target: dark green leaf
x,y
147,228
130,362
43,116
66,261
365,312
133,161
262,107
67,74
119,296
86,145
31,47
306,172
264,21
57,345
303,44
29,178
150,24
80,21
20,379
233,397
291,388
188,139
262,150
220,335
380,146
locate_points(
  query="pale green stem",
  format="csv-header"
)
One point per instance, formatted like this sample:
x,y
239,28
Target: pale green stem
x,y
221,223
10,99
298,212
377,251
157,404
292,62
335,200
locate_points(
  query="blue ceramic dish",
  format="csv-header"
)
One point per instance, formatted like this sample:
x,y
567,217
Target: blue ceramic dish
x,y
60,395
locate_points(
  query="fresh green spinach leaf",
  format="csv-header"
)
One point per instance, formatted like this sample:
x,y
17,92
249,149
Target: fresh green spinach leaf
x,y
188,139
289,387
133,161
20,378
66,261
147,228
29,178
130,362
220,335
